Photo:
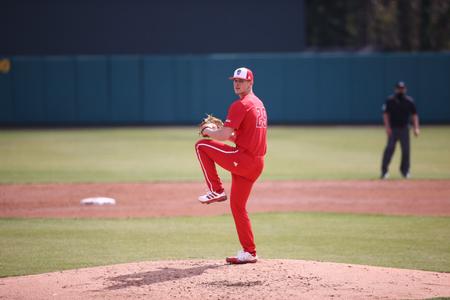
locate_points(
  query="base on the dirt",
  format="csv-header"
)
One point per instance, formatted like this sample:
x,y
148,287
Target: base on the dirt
x,y
98,201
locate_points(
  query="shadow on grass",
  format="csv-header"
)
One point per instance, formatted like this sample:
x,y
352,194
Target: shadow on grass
x,y
152,277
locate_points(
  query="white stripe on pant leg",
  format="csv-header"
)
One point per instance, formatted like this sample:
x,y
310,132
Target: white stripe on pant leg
x,y
201,163
218,149
203,170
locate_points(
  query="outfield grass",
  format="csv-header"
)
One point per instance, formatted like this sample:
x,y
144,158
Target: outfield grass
x,y
31,246
167,154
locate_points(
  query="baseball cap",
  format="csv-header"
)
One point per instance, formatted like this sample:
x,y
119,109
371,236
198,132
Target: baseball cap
x,y
242,73
400,84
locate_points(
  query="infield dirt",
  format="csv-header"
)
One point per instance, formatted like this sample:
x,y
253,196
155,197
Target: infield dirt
x,y
391,197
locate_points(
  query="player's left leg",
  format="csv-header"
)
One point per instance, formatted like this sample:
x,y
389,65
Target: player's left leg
x,y
210,153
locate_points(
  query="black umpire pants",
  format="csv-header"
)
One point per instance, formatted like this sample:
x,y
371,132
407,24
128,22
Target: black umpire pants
x,y
398,134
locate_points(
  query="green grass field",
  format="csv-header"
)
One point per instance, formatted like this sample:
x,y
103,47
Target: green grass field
x,y
29,246
42,245
167,154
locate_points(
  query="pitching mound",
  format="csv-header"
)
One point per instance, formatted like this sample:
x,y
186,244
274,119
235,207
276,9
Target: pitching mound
x,y
212,279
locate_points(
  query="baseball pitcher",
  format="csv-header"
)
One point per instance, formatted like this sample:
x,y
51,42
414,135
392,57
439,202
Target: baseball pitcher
x,y
246,126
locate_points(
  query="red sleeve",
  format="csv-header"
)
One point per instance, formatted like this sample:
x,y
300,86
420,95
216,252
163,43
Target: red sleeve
x,y
236,114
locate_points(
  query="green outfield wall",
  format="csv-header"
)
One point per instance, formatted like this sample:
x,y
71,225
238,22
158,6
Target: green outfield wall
x,y
298,88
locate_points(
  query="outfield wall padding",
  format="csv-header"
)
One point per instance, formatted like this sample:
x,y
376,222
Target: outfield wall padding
x,y
302,88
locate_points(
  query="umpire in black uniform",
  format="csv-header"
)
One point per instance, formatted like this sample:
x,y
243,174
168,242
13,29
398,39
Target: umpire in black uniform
x,y
397,112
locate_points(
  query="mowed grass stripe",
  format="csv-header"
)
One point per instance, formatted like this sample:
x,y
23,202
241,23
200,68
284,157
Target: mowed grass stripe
x,y
167,154
30,246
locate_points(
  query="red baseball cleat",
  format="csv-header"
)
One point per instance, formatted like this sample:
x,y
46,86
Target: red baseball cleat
x,y
242,258
211,197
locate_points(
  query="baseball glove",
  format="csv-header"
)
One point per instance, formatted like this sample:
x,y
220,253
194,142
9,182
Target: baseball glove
x,y
209,122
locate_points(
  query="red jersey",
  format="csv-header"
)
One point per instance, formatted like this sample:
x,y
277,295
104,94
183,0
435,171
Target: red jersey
x,y
247,116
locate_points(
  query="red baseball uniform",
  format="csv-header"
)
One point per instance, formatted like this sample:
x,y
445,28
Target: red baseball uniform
x,y
245,161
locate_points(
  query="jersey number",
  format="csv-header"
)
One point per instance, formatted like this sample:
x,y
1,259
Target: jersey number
x,y
261,118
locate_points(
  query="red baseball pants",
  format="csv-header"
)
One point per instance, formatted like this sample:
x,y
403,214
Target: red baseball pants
x,y
245,169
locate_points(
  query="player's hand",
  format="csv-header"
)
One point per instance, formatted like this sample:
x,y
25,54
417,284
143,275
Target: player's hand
x,y
210,122
416,131
204,128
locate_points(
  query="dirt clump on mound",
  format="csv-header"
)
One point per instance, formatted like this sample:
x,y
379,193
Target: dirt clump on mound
x,y
212,279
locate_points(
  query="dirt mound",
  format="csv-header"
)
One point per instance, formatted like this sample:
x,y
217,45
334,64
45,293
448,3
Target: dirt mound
x,y
212,279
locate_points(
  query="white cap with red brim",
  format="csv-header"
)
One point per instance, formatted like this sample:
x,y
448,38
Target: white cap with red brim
x,y
242,73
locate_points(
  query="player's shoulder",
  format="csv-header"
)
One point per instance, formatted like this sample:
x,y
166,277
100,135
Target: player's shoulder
x,y
237,103
237,106
251,100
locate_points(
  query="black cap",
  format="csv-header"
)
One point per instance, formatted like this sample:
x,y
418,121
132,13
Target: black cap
x,y
400,84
